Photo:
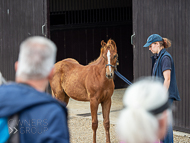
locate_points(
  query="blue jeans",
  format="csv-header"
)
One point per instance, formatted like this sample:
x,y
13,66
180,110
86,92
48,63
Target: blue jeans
x,y
169,136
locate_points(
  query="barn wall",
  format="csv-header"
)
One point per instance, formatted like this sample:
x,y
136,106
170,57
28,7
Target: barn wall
x,y
18,20
170,19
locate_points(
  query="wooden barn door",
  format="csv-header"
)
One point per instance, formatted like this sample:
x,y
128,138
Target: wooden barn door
x,y
18,20
78,29
170,19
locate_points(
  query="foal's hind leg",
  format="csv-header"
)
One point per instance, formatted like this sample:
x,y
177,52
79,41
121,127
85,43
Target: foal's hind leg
x,y
106,105
60,94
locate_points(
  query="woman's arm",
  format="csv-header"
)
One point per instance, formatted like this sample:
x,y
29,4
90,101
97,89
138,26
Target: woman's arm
x,y
167,75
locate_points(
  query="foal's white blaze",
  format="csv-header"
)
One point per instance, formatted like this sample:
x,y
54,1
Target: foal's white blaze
x,y
108,55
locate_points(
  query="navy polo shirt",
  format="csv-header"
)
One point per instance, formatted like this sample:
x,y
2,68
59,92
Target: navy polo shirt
x,y
159,66
165,63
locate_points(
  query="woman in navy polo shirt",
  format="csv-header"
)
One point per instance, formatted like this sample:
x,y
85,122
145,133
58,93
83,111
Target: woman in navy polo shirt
x,y
163,67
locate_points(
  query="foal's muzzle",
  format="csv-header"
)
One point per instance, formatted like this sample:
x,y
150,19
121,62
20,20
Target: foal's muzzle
x,y
109,76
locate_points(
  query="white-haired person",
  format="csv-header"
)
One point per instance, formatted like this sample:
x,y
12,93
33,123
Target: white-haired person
x,y
146,113
27,113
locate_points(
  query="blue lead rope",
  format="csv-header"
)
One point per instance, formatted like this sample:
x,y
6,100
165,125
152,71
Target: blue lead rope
x,y
123,78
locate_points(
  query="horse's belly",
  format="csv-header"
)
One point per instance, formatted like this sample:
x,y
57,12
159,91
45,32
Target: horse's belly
x,y
76,91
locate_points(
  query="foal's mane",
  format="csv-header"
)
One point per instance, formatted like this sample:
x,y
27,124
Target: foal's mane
x,y
96,60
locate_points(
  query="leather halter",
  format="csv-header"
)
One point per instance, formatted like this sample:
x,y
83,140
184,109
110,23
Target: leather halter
x,y
115,67
110,65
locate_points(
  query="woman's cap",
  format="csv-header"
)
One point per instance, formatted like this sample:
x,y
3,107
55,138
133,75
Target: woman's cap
x,y
153,38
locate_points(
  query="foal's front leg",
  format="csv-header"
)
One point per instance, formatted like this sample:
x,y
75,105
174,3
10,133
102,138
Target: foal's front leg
x,y
94,108
106,105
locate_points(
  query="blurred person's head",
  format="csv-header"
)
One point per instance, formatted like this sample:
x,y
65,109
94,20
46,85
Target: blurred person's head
x,y
146,115
36,58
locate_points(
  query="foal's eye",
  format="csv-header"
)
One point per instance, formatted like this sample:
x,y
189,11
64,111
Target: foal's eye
x,y
115,56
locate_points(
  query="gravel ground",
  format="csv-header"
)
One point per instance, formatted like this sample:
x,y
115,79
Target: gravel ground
x,y
181,139
80,126
81,132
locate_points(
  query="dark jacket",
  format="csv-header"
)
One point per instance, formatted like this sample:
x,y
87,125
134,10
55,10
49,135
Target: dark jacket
x,y
173,90
42,119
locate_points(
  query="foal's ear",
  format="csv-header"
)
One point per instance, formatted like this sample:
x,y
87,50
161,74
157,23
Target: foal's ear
x,y
103,43
112,42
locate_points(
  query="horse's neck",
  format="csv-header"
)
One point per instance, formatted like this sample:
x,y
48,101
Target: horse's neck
x,y
100,61
100,65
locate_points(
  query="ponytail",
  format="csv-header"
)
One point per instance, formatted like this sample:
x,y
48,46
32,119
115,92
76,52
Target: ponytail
x,y
166,43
